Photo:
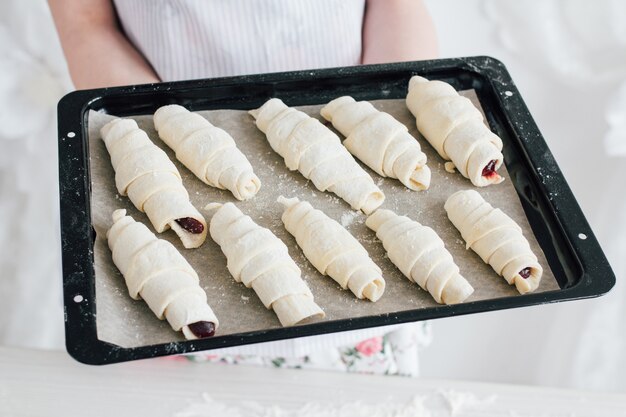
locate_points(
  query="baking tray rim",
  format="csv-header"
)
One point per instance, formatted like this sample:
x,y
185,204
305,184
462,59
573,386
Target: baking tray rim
x,y
82,341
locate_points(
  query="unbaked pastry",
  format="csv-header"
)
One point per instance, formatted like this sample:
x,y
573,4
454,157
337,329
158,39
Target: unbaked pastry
x,y
496,238
456,129
258,259
157,273
311,148
420,254
208,151
380,141
332,250
152,182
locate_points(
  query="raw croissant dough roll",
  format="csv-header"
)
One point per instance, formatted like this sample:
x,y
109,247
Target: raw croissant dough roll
x,y
421,255
152,182
260,260
209,152
314,150
379,140
155,271
456,129
496,238
332,249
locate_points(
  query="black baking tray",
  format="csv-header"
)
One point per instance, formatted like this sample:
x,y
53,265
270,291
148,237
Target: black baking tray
x,y
574,255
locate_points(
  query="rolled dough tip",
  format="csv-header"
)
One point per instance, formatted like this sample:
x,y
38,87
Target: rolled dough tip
x,y
457,195
287,202
418,186
328,110
416,79
118,215
254,113
374,200
525,286
420,179
104,131
213,206
189,240
251,188
163,112
485,182
297,309
188,333
456,291
530,284
449,166
374,290
376,219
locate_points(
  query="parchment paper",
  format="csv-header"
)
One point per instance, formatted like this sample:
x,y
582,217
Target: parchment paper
x,y
129,323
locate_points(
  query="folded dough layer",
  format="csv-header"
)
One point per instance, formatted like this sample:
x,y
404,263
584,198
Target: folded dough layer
x,y
332,250
420,254
311,148
157,273
380,141
208,151
258,259
496,238
152,182
456,129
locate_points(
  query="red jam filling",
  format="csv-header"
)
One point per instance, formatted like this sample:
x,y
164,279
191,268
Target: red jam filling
x,y
490,169
191,225
524,273
202,329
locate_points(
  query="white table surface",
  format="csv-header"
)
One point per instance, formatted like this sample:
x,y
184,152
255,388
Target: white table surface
x,y
50,383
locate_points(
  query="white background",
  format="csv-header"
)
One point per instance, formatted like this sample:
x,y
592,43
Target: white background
x,y
568,59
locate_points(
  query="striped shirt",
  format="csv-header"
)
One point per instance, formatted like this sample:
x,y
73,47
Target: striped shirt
x,y
189,39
